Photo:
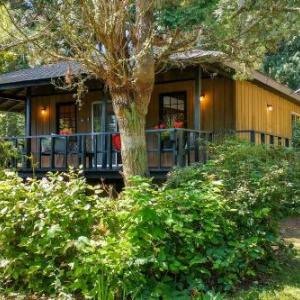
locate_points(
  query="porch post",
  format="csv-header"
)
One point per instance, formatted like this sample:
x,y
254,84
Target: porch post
x,y
198,87
28,120
104,126
197,115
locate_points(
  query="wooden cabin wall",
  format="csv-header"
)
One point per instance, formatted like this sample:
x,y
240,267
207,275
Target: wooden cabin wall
x,y
252,113
217,105
44,124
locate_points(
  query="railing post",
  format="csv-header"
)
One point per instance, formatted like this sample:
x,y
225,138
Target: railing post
x,y
188,145
104,138
174,148
52,153
263,138
109,151
180,153
252,136
39,141
203,149
287,142
83,151
66,152
159,149
95,141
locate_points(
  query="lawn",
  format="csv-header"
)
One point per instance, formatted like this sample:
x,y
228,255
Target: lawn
x,y
284,285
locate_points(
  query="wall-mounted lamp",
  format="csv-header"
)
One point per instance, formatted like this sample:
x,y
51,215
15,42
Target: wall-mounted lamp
x,y
270,107
43,110
202,97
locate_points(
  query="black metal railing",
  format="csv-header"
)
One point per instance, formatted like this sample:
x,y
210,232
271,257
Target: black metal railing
x,y
166,148
98,151
261,137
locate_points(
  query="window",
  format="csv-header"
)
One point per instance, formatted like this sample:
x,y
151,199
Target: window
x,y
172,108
66,118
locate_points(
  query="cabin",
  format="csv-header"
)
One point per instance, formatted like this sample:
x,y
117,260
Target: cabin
x,y
189,106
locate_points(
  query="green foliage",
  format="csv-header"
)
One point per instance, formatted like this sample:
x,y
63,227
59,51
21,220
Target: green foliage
x,y
12,124
209,227
248,172
7,153
284,64
296,135
186,14
42,225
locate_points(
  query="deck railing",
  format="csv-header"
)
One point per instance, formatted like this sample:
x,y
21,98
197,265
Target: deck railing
x,y
261,137
97,151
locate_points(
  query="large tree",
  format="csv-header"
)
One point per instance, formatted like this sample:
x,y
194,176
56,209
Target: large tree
x,y
125,42
284,64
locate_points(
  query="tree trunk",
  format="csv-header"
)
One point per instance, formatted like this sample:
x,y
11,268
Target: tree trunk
x,y
131,122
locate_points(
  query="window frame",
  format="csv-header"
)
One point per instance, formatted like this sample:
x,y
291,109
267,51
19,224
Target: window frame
x,y
58,106
173,94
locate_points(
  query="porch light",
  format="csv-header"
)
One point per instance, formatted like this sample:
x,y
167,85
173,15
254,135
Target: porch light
x,y
202,97
43,110
270,107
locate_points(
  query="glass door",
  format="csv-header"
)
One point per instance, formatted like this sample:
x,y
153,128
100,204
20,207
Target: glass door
x,y
103,120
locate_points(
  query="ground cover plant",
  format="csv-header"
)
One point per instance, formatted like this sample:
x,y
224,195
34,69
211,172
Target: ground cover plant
x,y
208,228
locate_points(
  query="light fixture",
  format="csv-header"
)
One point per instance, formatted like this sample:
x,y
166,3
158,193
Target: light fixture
x,y
269,107
202,97
43,110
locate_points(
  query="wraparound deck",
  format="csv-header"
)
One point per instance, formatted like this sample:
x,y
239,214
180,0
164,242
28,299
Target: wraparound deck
x,y
99,156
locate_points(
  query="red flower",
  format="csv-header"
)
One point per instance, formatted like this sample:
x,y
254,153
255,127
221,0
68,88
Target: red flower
x,y
178,124
116,141
160,126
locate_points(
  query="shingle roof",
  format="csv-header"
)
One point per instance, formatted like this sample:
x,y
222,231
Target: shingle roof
x,y
51,71
40,73
44,74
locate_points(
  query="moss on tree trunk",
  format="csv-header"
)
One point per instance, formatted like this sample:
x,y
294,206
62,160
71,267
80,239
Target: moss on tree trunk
x,y
131,120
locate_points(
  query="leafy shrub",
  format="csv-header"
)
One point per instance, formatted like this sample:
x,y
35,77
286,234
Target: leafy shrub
x,y
7,153
42,223
259,174
296,135
209,227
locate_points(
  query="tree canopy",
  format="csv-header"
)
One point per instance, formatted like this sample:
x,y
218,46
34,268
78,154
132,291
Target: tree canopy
x,y
284,64
124,43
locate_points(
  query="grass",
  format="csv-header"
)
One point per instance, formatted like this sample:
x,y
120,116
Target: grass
x,y
284,285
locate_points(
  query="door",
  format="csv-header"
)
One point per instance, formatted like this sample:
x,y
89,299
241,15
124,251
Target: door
x,y
103,120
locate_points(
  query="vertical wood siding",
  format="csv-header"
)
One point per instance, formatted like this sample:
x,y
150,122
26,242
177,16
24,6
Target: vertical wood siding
x,y
217,107
251,109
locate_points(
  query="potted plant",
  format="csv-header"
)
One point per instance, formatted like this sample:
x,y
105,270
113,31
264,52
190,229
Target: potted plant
x,y
166,137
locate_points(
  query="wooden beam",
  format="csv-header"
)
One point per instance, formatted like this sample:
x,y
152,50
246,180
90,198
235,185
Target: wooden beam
x,y
10,107
12,98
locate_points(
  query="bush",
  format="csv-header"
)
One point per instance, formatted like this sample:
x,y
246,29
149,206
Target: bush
x,y
7,153
42,223
296,135
209,227
250,174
